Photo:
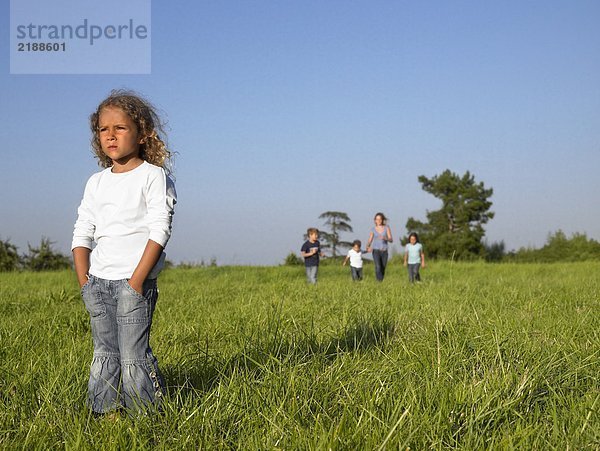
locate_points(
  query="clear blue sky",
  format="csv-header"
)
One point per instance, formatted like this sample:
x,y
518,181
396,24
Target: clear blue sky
x,y
282,110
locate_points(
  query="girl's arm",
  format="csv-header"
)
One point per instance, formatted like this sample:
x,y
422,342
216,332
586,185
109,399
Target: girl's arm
x,y
83,233
422,259
81,259
161,198
346,260
389,235
150,257
405,257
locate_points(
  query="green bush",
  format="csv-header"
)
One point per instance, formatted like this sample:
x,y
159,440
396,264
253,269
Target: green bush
x,y
9,257
45,258
292,260
495,251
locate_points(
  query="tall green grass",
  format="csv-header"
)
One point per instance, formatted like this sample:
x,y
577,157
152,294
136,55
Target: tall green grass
x,y
477,356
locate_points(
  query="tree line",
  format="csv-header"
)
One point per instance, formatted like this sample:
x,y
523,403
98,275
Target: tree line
x,y
558,247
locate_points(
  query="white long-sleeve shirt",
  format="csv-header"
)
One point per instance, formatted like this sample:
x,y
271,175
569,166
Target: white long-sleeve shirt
x,y
121,212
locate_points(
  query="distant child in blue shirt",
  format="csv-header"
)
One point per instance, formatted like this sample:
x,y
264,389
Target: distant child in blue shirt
x,y
311,251
414,257
356,261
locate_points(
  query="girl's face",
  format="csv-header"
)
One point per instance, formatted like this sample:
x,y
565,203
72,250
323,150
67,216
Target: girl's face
x,y
378,220
413,239
119,138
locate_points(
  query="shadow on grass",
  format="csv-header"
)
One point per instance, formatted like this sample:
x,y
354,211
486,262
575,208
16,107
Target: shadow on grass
x,y
271,352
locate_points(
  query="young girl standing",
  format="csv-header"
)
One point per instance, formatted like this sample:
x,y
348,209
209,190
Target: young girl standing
x,y
379,238
414,257
127,210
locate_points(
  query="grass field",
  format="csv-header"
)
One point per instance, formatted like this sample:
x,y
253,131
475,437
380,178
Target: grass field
x,y
478,356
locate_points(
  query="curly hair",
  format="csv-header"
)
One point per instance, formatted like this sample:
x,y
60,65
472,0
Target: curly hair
x,y
153,148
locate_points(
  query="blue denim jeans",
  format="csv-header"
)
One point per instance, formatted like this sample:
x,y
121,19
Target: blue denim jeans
x,y
380,259
356,273
413,272
311,274
124,372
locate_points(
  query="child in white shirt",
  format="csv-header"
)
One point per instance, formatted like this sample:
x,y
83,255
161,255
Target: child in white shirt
x,y
356,261
126,210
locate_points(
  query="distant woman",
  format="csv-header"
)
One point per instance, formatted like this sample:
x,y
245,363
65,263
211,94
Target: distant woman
x,y
379,238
